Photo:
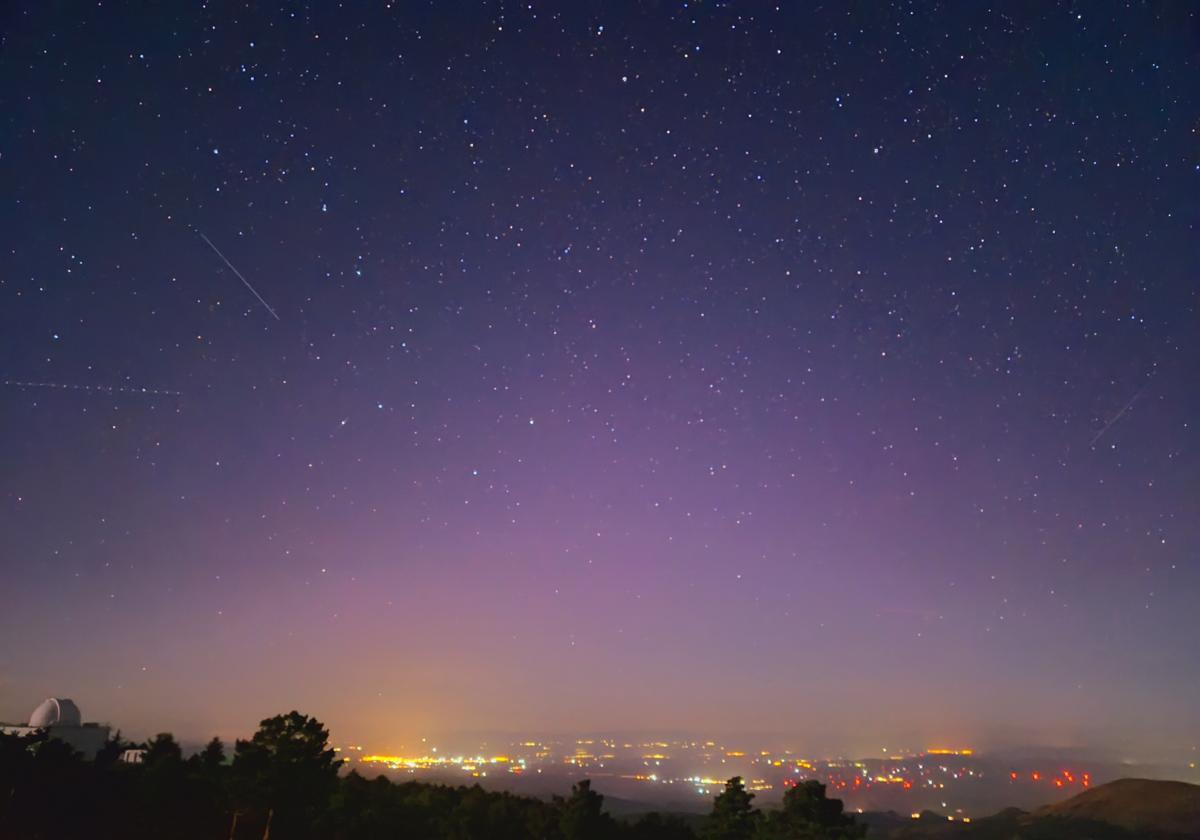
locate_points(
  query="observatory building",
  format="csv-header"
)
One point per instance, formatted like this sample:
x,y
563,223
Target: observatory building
x,y
61,719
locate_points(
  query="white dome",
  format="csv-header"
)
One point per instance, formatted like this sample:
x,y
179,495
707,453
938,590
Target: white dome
x,y
56,712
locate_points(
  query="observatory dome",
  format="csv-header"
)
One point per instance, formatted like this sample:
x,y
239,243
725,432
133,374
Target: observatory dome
x,y
56,712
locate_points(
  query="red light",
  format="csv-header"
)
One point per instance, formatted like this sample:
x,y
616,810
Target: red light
x,y
1013,774
1037,777
1058,782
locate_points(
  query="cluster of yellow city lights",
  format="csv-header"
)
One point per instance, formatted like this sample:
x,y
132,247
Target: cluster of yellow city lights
x,y
908,769
477,765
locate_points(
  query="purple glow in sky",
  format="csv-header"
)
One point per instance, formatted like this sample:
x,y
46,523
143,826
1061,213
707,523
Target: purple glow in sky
x,y
712,367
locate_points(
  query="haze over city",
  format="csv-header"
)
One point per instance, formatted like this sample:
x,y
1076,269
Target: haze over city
x,y
802,378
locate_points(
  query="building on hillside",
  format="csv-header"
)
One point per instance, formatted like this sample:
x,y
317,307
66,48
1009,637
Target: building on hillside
x,y
61,719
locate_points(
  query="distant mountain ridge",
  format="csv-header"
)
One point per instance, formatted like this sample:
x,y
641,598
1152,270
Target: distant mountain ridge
x,y
1127,809
1137,805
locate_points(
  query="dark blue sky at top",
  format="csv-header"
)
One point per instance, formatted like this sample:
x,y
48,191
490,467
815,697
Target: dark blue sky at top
x,y
722,366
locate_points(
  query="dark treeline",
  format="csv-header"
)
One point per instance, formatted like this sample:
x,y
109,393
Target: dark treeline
x,y
284,783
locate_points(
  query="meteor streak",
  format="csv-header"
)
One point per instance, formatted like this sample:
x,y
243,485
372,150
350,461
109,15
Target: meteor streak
x,y
245,282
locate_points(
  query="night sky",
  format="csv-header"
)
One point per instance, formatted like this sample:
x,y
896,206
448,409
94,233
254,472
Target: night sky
x,y
827,371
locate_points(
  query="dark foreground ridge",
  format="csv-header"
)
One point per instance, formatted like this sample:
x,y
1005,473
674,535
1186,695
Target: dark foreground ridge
x,y
284,782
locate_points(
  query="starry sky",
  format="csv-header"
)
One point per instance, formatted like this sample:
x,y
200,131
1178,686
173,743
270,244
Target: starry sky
x,y
823,370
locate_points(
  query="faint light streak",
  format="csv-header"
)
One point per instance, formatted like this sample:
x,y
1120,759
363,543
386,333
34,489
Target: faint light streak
x,y
103,389
245,282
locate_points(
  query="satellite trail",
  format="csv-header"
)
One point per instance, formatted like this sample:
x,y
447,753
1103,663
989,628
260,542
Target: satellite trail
x,y
1118,415
245,282
103,389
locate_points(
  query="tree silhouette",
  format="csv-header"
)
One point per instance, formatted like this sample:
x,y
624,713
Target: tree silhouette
x,y
212,756
583,816
808,815
50,791
112,750
733,817
164,785
162,748
287,770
